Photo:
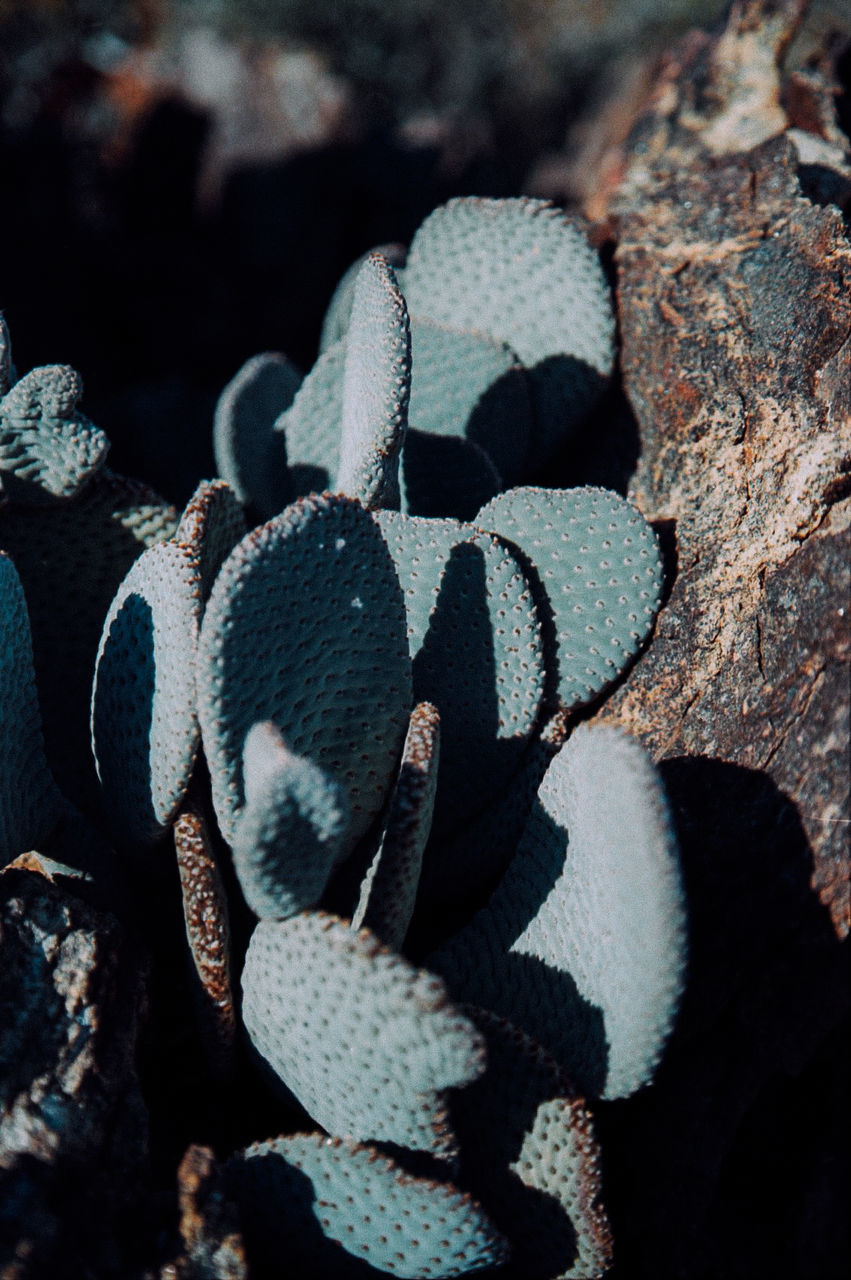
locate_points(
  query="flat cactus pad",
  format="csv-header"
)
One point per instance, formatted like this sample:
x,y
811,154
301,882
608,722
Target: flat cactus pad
x,y
249,452
335,1209
598,562
144,727
47,447
338,313
583,943
312,425
305,627
389,889
367,1043
30,803
210,527
291,829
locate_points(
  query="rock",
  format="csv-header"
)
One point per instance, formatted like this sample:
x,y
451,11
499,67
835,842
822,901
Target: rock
x,y
212,1244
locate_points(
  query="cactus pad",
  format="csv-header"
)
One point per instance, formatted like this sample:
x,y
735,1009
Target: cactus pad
x,y
332,1208
144,728
376,388
290,830
305,626
30,803
475,641
312,424
205,911
367,1043
390,886
530,1156
339,310
249,452
445,476
583,943
520,271
210,527
47,447
598,562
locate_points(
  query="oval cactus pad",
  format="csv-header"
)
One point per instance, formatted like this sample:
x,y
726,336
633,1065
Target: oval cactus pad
x,y
583,943
367,1043
333,1208
30,803
376,387
290,830
47,447
210,527
530,1155
144,727
389,889
249,453
312,425
339,310
305,627
477,653
598,562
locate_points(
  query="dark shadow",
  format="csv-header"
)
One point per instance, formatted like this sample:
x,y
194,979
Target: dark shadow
x,y
445,475
741,1140
564,389
494,420
305,478
666,532
603,449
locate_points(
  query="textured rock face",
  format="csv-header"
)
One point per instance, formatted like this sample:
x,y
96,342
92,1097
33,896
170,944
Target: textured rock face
x,y
72,1122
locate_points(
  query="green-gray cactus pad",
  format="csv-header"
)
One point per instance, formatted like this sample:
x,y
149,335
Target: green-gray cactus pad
x,y
144,727
71,557
312,425
48,449
291,829
30,803
583,943
305,626
329,1208
529,1154
475,642
376,388
520,271
249,452
471,385
210,527
598,562
389,889
366,1043
338,314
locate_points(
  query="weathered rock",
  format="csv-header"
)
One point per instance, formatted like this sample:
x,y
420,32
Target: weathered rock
x,y
73,1125
212,1243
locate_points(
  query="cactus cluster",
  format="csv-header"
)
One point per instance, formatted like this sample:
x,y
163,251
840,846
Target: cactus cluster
x,y
344,685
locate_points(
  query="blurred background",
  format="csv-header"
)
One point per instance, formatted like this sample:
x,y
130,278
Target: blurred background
x,y
183,182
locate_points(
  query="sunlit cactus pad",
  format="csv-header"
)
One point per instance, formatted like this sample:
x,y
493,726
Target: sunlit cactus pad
x,y
520,271
530,1155
376,388
583,943
366,1043
47,447
144,726
339,310
249,452
210,527
599,563
29,801
335,1209
389,890
477,653
291,829
305,626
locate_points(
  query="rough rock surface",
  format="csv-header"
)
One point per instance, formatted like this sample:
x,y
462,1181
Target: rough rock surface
x,y
212,1247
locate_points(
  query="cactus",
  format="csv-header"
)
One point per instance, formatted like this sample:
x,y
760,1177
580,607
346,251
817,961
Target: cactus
x,y
250,453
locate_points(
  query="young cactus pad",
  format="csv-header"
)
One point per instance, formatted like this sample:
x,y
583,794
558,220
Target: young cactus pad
x,y
249,452
598,562
47,447
144,727
29,800
305,626
337,1209
291,829
210,527
583,943
339,310
475,642
367,1043
518,270
376,388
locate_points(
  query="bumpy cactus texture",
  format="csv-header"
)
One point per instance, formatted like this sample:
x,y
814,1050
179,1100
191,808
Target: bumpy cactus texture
x,y
47,447
250,453
292,827
376,388
29,801
312,423
367,1043
583,943
339,310
210,527
329,1207
305,626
